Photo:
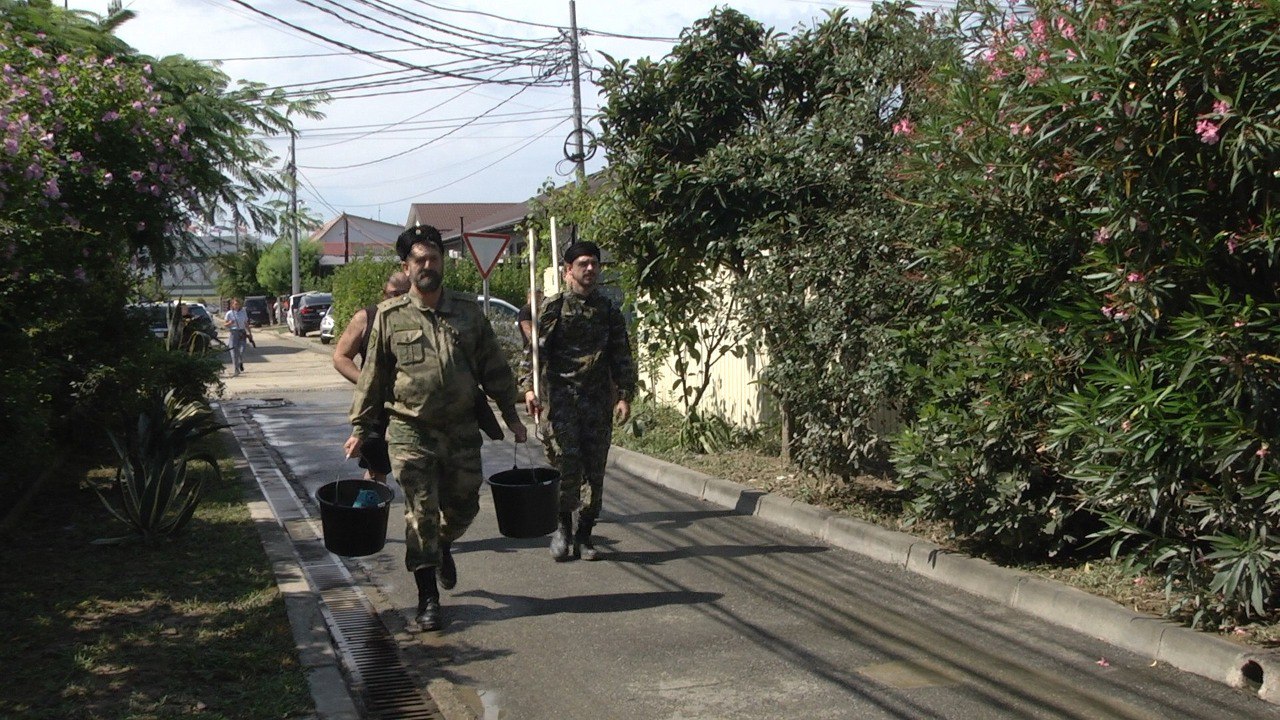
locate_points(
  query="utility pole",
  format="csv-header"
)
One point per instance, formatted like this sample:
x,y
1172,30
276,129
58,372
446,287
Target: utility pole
x,y
581,157
346,239
293,208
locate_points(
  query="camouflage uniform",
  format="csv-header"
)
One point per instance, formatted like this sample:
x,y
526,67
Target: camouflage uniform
x,y
418,374
585,360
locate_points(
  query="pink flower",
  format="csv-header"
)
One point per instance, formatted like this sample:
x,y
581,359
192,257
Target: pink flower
x,y
1038,28
1263,451
1035,75
989,55
1233,242
1071,55
135,175
1135,277
904,127
1020,52
1065,28
1238,324
1221,107
1208,132
998,73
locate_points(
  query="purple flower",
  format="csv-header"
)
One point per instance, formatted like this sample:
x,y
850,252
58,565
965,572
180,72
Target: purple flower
x,y
80,274
135,175
33,172
110,115
11,146
51,189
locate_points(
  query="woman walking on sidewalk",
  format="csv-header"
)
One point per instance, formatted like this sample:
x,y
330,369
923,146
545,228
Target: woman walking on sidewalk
x,y
237,321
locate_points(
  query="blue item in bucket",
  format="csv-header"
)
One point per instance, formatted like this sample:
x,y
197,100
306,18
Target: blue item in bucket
x,y
367,498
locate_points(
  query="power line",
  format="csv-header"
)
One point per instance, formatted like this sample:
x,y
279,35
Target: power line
x,y
425,144
377,56
435,171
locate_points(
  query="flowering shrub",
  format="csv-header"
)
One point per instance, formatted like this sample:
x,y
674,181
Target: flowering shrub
x,y
105,156
1104,175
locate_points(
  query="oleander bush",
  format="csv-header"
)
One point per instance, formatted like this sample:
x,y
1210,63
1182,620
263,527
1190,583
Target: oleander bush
x,y
1104,354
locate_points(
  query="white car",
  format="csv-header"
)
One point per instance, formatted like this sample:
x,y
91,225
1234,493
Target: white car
x,y
326,327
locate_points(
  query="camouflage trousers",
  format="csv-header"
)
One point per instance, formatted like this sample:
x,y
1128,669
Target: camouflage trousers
x,y
581,432
441,480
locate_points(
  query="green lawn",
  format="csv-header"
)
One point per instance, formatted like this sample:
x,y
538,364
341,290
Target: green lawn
x,y
190,627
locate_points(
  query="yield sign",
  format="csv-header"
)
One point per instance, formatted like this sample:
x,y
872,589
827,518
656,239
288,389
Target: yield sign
x,y
485,249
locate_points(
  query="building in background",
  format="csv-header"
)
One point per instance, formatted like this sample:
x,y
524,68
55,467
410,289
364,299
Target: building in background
x,y
347,237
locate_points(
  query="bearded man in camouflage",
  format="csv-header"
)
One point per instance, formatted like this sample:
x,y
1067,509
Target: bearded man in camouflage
x,y
589,373
428,350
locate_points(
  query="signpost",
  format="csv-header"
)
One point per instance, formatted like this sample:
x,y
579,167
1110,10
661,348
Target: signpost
x,y
485,249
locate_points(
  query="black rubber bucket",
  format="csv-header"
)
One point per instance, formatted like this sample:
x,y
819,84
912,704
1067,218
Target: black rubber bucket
x,y
526,501
353,531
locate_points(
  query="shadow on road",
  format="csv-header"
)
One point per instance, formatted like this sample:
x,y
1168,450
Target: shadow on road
x,y
514,606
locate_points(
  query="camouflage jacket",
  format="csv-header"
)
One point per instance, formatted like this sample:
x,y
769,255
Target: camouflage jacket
x,y
423,366
583,345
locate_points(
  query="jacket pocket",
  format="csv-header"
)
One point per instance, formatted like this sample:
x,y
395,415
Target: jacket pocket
x,y
407,345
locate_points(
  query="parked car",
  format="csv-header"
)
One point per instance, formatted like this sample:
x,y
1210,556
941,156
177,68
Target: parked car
x,y
154,314
311,309
255,307
326,327
500,307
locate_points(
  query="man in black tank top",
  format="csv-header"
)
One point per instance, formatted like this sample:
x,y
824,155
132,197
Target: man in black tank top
x,y
355,342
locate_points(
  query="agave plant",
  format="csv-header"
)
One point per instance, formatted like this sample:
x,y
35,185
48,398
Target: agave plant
x,y
155,491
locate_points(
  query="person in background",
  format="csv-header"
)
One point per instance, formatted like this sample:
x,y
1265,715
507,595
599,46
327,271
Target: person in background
x,y
525,316
428,350
588,372
353,343
236,321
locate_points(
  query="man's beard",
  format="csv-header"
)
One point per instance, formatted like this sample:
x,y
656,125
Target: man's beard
x,y
428,281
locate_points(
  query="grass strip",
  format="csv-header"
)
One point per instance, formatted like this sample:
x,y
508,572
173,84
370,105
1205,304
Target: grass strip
x,y
191,626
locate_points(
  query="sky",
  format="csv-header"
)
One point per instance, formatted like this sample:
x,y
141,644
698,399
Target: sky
x,y
435,134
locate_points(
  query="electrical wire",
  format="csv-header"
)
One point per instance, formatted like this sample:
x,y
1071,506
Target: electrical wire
x,y
425,144
531,141
377,56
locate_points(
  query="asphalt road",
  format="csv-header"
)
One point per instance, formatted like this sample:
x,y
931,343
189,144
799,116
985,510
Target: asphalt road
x,y
699,613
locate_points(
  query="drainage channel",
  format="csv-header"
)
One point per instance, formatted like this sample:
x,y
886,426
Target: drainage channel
x,y
376,672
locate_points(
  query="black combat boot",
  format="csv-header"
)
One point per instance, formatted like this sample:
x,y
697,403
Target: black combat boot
x,y
428,617
448,571
582,545
561,539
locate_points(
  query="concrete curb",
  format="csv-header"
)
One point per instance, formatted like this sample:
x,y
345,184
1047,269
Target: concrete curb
x,y
1057,603
323,669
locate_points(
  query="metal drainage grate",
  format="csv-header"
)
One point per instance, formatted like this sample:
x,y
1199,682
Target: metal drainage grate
x,y
377,672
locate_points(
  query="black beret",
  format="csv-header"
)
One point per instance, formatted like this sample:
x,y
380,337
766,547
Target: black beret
x,y
418,234
578,249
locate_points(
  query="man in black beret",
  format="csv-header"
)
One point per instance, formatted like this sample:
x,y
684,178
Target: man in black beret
x,y
588,373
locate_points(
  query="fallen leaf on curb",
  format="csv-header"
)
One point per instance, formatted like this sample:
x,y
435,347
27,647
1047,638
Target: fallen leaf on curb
x,y
1103,662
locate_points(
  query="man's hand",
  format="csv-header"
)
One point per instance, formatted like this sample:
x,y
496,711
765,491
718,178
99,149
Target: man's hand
x,y
351,447
518,430
532,405
621,412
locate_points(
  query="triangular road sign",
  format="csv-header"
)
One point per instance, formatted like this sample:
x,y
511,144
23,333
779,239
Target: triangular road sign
x,y
485,249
